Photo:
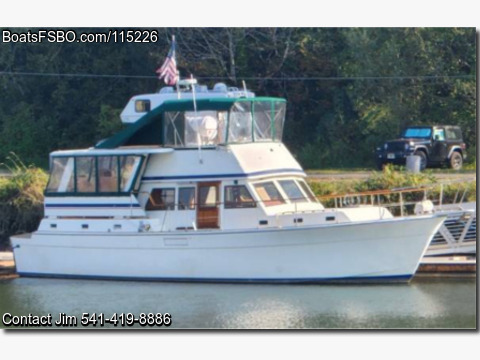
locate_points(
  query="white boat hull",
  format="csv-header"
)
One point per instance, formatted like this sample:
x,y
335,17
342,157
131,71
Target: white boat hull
x,y
381,251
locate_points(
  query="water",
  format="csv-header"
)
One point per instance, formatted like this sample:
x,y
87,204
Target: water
x,y
424,304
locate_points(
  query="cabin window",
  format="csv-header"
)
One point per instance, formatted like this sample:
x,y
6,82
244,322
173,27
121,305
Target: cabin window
x,y
142,105
306,189
238,197
85,174
161,199
269,194
291,189
186,198
61,175
93,174
108,174
128,168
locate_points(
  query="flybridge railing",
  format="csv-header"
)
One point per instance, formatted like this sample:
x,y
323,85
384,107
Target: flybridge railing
x,y
403,200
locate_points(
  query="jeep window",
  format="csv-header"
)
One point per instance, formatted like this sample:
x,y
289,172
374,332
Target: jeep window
x,y
453,134
417,133
439,134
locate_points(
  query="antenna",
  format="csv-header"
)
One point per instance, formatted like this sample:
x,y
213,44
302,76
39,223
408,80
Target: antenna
x,y
244,88
199,140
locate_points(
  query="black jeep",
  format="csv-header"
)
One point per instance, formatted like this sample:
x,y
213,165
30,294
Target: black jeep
x,y
436,145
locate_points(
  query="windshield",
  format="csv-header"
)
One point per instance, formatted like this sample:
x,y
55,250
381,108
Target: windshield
x,y
417,133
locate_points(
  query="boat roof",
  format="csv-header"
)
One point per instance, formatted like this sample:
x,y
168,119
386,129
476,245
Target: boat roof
x,y
143,131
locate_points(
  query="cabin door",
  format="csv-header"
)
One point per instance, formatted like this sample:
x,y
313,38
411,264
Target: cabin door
x,y
208,200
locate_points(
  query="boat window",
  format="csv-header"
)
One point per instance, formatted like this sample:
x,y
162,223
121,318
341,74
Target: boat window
x,y
306,189
207,196
269,194
238,196
240,123
85,174
263,121
93,174
186,198
174,125
161,199
291,189
61,175
107,174
279,111
191,129
128,168
204,128
142,105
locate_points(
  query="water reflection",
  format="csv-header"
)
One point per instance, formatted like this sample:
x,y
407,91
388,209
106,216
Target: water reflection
x,y
421,304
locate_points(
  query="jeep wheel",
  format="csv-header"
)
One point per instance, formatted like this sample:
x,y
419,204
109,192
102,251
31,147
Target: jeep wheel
x,y
423,159
456,161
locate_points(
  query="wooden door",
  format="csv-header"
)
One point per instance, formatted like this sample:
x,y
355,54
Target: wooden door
x,y
207,209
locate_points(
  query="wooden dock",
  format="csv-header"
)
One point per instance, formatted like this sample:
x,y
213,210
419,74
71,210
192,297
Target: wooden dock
x,y
7,265
447,266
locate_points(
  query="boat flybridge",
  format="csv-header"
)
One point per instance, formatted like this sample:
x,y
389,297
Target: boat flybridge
x,y
200,187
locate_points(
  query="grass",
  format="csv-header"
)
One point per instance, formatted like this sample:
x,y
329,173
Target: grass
x,y
392,178
21,199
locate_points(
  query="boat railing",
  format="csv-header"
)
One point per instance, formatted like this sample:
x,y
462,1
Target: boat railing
x,y
402,201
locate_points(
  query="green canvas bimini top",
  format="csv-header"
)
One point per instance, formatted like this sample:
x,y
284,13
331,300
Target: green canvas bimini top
x,y
148,129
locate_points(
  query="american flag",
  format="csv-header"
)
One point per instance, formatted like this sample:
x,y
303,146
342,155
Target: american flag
x,y
168,71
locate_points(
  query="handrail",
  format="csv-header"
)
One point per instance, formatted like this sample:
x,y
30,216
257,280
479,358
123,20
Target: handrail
x,y
376,196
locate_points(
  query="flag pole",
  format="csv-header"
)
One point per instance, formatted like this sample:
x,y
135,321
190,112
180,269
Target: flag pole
x,y
178,72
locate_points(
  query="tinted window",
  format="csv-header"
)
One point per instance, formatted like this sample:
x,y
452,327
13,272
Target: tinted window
x,y
453,133
417,133
306,189
186,198
86,174
142,105
238,197
269,194
128,168
161,199
107,174
292,190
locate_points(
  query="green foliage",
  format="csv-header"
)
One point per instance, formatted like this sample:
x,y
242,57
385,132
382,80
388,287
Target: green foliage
x,y
21,199
366,88
392,178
